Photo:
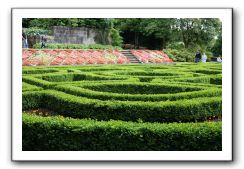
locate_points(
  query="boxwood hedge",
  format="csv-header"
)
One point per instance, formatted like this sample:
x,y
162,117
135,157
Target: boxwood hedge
x,y
197,109
65,134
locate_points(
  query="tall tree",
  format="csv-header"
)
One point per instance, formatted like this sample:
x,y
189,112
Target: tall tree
x,y
217,48
159,29
131,25
198,31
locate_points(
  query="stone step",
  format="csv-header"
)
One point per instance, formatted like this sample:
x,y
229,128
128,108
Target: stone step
x,y
130,56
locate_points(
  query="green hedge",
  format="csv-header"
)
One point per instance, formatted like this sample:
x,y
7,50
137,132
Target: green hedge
x,y
210,79
38,71
78,91
77,77
32,100
216,80
36,81
47,81
76,46
190,110
140,88
29,87
162,73
65,134
209,71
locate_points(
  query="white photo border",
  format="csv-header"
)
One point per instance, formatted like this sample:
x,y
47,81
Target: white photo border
x,y
225,15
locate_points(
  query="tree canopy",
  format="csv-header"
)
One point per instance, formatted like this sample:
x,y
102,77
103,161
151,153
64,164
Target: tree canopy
x,y
152,33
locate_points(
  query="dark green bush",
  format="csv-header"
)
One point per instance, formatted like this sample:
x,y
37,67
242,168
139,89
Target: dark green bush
x,y
36,31
117,40
181,55
216,80
64,134
176,45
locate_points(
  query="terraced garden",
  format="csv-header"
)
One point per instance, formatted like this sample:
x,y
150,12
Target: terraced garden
x,y
130,107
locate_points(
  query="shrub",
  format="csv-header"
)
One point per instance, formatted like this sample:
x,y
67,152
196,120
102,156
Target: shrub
x,y
211,79
76,77
76,46
38,71
78,91
181,55
31,100
197,109
36,81
36,31
117,40
176,45
65,134
140,88
28,87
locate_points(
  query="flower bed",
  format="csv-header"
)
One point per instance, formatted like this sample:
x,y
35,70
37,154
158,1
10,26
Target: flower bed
x,y
32,57
151,56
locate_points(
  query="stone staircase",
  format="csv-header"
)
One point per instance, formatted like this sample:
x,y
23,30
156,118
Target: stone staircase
x,y
130,56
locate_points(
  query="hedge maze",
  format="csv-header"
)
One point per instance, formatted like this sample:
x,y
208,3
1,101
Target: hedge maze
x,y
123,108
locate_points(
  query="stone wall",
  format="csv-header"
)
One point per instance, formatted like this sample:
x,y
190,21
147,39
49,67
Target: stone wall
x,y
81,35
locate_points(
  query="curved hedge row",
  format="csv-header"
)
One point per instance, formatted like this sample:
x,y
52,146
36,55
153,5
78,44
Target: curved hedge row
x,y
197,109
103,95
210,79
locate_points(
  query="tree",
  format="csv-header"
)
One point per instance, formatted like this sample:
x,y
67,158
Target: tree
x,y
131,26
160,30
217,48
150,32
198,31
